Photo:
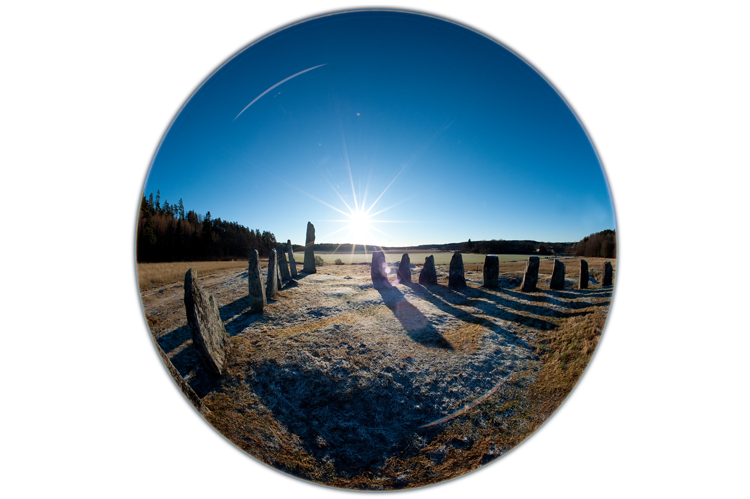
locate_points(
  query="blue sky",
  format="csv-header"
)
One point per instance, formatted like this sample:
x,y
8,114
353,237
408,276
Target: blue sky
x,y
449,133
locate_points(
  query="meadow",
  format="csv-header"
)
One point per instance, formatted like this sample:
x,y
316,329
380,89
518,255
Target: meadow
x,y
416,257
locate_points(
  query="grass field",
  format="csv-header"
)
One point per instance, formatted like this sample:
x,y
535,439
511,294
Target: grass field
x,y
417,257
151,275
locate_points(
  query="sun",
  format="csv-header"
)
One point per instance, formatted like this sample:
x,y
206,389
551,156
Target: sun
x,y
359,227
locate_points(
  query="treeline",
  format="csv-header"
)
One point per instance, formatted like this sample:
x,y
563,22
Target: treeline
x,y
495,247
166,233
602,244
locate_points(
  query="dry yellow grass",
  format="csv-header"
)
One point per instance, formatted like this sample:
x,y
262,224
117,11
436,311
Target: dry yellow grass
x,y
151,275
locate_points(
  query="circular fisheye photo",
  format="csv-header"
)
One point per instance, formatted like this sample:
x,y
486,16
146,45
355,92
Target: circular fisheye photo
x,y
376,250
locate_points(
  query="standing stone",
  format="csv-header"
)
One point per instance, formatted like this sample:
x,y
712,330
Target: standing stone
x,y
558,276
283,266
456,278
607,281
187,390
256,291
531,276
490,271
272,282
583,279
404,269
378,271
209,336
309,264
428,276
292,263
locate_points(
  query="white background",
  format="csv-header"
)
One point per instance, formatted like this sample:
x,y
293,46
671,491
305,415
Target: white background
x,y
88,89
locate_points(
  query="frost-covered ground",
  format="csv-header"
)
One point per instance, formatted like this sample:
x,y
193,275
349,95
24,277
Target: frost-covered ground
x,y
347,375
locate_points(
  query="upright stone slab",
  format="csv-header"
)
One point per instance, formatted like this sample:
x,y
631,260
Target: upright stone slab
x,y
607,281
531,276
583,278
209,336
187,390
404,269
490,271
378,271
456,279
428,276
256,290
292,263
309,264
283,266
558,276
272,282
279,282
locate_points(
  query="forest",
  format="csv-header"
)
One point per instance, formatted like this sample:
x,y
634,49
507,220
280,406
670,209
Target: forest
x,y
167,233
602,244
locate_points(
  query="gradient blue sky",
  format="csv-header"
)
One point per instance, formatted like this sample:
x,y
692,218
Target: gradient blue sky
x,y
480,146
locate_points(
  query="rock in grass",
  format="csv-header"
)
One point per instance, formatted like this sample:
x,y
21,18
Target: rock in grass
x,y
456,279
531,276
378,270
283,266
309,264
428,276
583,278
404,269
272,282
292,263
607,281
558,276
209,336
256,290
490,271
189,393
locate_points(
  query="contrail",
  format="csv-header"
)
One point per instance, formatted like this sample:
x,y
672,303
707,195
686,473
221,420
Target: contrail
x,y
279,83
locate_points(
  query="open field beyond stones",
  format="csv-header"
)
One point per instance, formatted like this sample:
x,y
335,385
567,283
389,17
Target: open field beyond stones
x,y
416,257
342,384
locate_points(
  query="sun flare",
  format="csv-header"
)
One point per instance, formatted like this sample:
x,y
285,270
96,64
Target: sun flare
x,y
359,227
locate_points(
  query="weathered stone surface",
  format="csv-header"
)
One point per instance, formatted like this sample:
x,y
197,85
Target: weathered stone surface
x,y
283,266
456,279
490,271
607,281
378,270
531,276
428,276
209,336
558,276
256,290
309,264
292,263
189,393
272,282
279,282
583,278
404,269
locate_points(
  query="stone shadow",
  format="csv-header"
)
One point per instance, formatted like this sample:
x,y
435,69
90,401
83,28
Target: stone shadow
x,y
353,423
551,297
428,293
468,296
414,321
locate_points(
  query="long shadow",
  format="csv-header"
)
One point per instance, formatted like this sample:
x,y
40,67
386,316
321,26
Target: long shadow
x,y
468,296
174,338
550,296
237,315
353,423
414,321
